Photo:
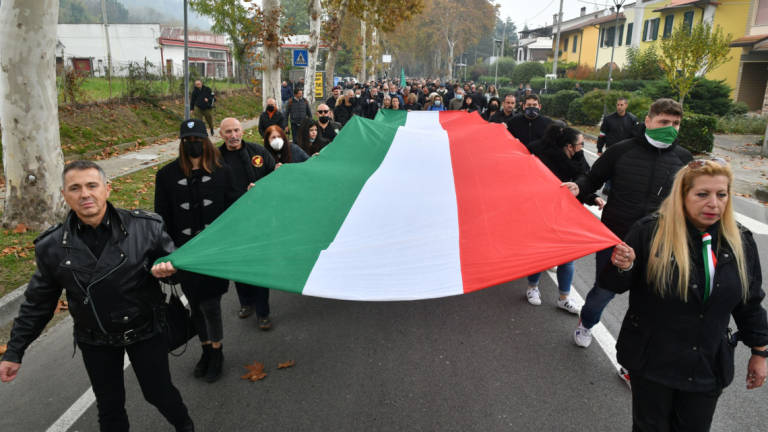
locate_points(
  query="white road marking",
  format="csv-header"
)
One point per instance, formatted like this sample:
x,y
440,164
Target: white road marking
x,y
753,225
78,408
599,332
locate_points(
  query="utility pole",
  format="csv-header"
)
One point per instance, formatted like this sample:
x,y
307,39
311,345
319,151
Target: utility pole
x,y
109,50
186,65
557,39
618,4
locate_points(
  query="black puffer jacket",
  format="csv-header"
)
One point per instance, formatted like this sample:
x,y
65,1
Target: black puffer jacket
x,y
686,345
641,177
111,295
527,130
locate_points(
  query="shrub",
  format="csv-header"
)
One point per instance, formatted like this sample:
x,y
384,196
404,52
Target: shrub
x,y
72,85
506,67
576,113
547,104
643,64
561,101
594,102
709,97
580,72
553,86
477,71
697,132
524,72
739,108
742,124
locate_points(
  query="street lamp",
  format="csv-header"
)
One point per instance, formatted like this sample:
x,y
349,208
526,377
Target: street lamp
x,y
618,4
497,44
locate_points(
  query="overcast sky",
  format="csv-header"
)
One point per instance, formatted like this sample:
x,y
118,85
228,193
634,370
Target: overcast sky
x,y
538,13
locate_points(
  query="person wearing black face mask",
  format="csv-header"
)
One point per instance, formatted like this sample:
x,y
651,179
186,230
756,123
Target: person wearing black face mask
x,y
328,128
271,116
529,125
190,192
493,108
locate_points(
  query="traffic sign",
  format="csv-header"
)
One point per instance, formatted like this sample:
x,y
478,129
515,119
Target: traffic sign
x,y
300,57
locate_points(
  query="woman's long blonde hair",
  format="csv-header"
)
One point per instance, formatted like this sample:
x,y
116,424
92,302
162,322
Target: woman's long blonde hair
x,y
669,247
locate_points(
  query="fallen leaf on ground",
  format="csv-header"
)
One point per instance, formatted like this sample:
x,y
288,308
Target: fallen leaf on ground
x,y
255,372
20,228
3,348
61,306
287,364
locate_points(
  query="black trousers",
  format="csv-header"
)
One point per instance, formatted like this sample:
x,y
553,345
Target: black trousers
x,y
658,408
254,296
149,359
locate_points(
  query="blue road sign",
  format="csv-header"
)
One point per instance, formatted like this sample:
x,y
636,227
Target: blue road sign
x,y
300,57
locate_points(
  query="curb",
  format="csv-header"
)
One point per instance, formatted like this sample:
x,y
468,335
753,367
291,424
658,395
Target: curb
x,y
10,303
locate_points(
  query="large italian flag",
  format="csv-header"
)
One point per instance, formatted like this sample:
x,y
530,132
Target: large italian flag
x,y
409,206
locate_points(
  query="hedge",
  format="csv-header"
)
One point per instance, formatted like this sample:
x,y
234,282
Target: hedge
x,y
708,97
697,132
502,80
554,86
524,72
589,109
562,101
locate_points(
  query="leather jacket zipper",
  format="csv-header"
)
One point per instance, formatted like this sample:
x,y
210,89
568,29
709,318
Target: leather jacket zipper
x,y
87,291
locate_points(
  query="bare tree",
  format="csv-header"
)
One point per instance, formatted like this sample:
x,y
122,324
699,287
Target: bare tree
x,y
315,12
32,156
272,59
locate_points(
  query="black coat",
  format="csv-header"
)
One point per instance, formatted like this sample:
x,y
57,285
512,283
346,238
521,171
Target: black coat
x,y
686,345
527,130
330,131
188,205
256,161
616,128
199,96
500,117
110,295
342,113
641,177
277,119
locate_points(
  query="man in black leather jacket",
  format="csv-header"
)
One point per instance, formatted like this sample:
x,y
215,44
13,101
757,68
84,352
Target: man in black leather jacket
x,y
101,256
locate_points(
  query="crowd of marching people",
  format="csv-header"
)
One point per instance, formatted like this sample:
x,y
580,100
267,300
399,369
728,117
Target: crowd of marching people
x,y
687,265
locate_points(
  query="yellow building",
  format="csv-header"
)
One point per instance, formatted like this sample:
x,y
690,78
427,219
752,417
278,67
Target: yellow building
x,y
661,18
578,39
752,83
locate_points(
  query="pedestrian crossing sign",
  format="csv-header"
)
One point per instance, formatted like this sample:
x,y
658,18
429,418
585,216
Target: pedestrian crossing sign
x,y
300,57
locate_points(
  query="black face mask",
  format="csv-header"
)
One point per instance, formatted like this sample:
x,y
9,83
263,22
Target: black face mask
x,y
493,107
270,108
323,119
193,149
531,112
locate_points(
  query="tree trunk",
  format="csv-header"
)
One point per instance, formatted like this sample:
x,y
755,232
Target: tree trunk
x,y
450,59
363,54
272,60
32,155
334,41
314,10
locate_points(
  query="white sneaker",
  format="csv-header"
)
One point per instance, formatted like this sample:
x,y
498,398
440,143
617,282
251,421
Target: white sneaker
x,y
582,336
533,295
569,306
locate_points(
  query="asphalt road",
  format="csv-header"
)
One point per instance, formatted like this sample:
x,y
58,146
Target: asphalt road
x,y
486,361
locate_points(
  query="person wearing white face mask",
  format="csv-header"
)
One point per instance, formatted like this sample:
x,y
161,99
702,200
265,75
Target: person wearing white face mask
x,y
280,148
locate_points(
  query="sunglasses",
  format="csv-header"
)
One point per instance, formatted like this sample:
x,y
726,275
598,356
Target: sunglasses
x,y
322,111
699,163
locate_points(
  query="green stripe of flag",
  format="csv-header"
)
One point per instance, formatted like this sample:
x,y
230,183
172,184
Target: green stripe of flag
x,y
285,221
392,117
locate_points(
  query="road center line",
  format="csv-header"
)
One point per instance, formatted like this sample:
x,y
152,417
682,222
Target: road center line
x,y
79,408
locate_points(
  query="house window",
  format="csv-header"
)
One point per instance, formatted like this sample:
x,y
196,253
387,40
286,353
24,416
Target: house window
x,y
629,33
575,42
198,67
198,53
565,45
668,25
688,20
621,34
216,55
651,29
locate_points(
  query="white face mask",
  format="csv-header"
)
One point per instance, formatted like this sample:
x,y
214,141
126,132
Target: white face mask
x,y
276,144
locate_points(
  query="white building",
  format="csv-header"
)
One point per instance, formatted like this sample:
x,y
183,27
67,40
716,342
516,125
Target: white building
x,y
84,46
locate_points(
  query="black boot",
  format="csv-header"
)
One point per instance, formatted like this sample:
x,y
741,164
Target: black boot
x,y
186,427
201,368
214,365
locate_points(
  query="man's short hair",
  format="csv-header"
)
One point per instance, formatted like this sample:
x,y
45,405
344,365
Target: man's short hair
x,y
533,96
621,99
82,165
665,106
297,90
508,95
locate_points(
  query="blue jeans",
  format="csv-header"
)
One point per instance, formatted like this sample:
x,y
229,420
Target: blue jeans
x,y
564,278
598,298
